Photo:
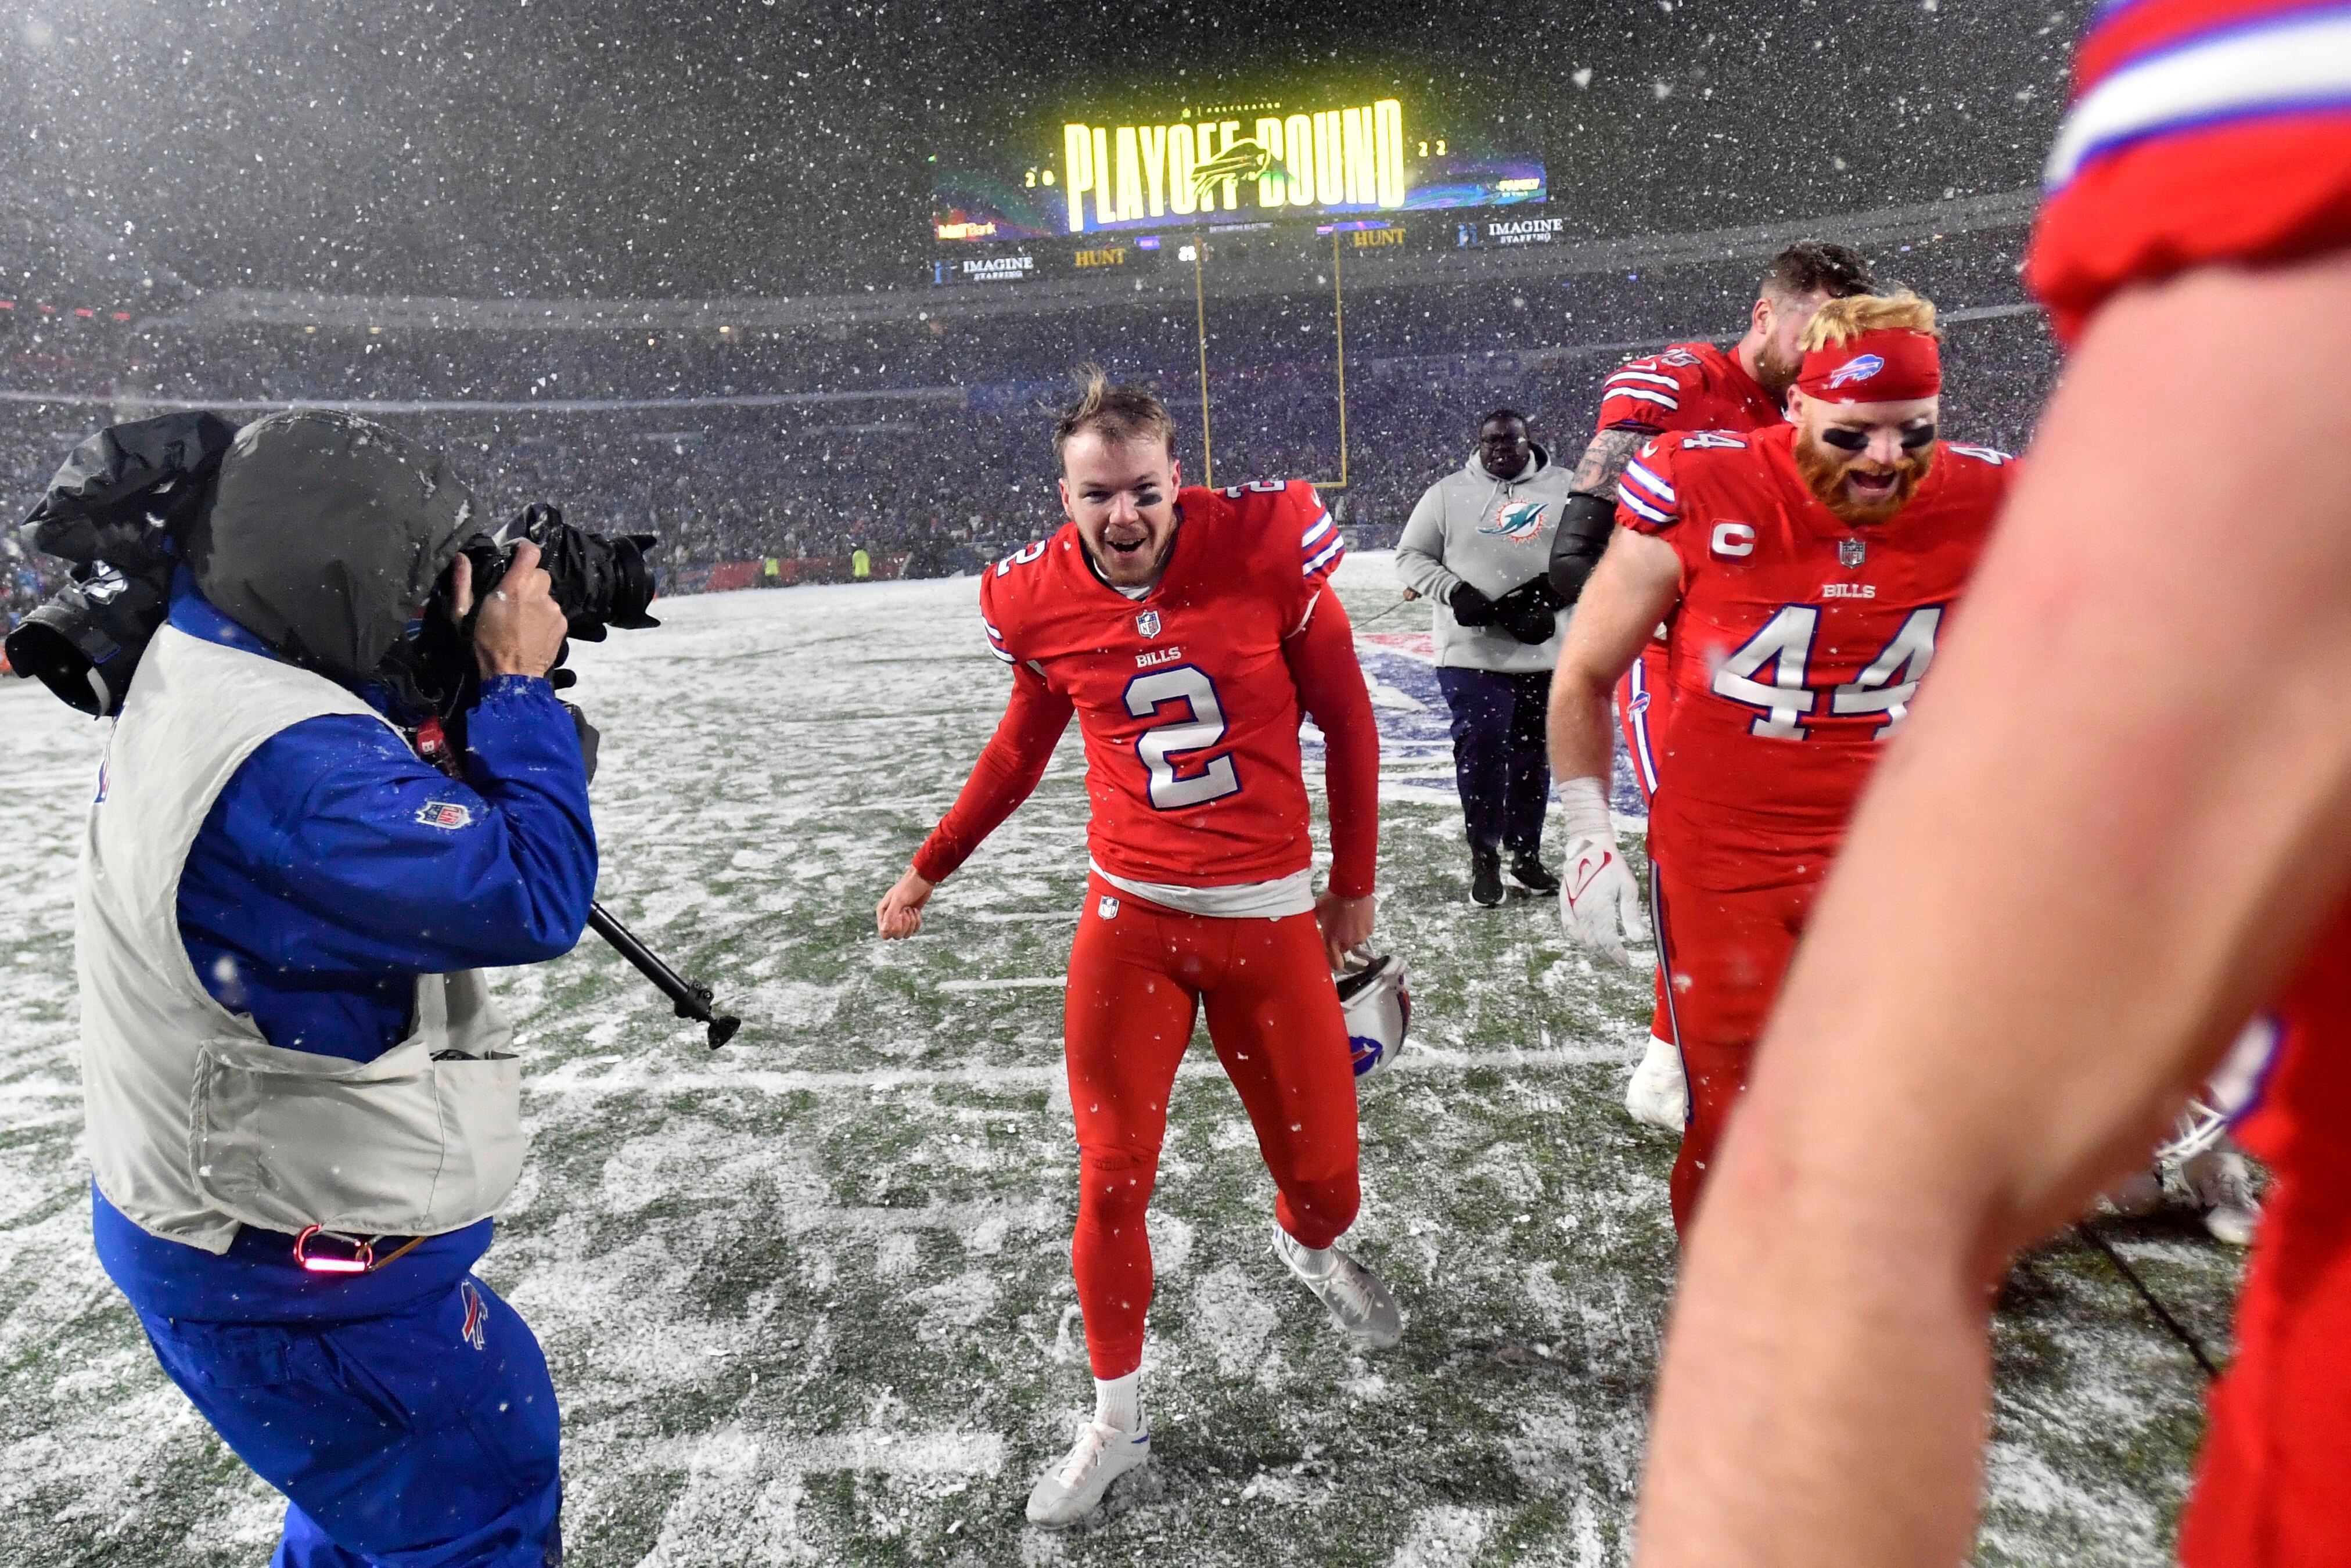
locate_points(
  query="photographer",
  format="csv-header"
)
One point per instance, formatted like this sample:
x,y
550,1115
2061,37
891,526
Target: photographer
x,y
302,1107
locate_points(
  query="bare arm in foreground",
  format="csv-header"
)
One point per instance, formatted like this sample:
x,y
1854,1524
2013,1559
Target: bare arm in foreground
x,y
2123,813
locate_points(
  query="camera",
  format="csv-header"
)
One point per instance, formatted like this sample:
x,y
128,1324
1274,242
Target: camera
x,y
84,640
116,510
598,582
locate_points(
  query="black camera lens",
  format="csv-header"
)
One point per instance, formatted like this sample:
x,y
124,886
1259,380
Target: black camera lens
x,y
84,642
598,582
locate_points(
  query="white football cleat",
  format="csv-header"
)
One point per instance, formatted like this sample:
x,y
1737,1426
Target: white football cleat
x,y
1073,1489
2223,1186
1359,1303
1659,1095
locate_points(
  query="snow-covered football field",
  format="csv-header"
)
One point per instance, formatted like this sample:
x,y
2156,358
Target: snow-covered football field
x,y
807,1299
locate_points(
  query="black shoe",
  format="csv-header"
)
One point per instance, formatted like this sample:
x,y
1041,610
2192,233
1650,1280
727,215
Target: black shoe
x,y
1526,871
1485,877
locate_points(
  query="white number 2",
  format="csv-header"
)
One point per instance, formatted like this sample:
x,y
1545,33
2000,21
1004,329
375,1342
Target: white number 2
x,y
1886,684
1160,746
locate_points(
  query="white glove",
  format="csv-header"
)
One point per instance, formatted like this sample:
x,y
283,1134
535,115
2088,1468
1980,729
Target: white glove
x,y
1597,896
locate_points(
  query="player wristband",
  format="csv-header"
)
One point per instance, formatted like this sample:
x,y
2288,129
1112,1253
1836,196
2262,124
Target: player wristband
x,y
1584,810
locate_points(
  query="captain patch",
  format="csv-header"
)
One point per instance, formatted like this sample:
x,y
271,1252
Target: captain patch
x,y
446,814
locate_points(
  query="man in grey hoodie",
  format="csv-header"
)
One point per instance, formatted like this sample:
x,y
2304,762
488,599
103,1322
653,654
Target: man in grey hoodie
x,y
1478,548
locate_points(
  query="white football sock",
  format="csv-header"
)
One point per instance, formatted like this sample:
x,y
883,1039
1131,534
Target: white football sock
x,y
1118,1401
1313,1262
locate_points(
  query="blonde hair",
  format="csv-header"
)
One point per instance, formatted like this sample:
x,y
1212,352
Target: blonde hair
x,y
1839,321
1117,413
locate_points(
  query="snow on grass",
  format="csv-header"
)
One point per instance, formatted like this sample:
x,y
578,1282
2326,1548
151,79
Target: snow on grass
x,y
807,1299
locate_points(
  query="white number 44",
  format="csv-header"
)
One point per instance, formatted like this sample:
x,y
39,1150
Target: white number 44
x,y
1886,685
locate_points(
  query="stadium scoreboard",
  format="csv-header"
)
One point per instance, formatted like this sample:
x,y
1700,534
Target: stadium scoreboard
x,y
1095,185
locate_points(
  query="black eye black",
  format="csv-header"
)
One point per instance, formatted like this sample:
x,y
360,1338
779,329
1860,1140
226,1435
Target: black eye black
x,y
1917,436
1847,440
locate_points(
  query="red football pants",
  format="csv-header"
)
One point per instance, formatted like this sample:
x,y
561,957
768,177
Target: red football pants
x,y
1138,974
1726,954
1641,709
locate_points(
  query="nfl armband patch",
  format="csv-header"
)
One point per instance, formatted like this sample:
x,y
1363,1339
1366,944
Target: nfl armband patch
x,y
446,814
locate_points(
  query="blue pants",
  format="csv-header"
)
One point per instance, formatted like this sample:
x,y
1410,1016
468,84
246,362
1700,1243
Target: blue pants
x,y
1499,761
425,1439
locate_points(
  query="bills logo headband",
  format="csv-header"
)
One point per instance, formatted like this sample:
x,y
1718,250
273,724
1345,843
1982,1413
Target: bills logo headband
x,y
1889,365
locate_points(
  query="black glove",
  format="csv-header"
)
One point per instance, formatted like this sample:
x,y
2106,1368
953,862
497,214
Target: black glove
x,y
588,738
1530,611
1469,607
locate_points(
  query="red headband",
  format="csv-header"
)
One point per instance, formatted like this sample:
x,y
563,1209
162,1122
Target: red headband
x,y
1890,365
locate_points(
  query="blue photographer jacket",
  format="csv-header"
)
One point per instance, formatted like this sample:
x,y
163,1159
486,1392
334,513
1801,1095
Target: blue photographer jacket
x,y
334,868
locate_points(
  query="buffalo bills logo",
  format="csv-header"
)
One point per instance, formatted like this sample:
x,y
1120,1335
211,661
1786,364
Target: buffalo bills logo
x,y
1640,704
1148,623
476,1331
1517,522
1858,369
1366,1052
446,814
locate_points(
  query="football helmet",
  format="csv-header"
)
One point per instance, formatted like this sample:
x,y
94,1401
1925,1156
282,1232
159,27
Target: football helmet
x,y
1377,1007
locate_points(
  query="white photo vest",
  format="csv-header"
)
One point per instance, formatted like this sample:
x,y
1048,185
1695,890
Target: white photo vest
x,y
197,1124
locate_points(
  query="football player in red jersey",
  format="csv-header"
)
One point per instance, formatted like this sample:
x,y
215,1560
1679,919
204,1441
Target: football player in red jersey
x,y
1806,572
1188,630
1688,386
2119,830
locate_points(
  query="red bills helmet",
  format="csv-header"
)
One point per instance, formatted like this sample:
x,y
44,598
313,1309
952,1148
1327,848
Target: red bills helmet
x,y
1377,1007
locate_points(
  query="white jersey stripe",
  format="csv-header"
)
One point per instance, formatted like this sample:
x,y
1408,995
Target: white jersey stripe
x,y
1316,532
1625,494
2272,68
1667,381
1658,397
1636,469
1331,551
1002,654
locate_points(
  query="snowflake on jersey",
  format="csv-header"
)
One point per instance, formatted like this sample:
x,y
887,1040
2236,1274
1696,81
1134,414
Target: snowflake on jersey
x,y
1188,705
1798,642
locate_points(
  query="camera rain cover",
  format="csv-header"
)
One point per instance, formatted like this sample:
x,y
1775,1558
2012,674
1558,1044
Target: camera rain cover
x,y
125,487
325,531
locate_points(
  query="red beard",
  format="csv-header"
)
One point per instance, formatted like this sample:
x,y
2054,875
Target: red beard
x,y
1825,469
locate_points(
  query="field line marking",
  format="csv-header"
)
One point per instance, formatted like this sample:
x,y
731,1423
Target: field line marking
x,y
1025,983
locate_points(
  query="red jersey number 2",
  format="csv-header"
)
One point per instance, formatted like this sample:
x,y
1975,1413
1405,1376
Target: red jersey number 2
x,y
1201,727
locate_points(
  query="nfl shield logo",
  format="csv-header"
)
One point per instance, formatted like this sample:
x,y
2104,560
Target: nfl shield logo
x,y
1148,623
1850,552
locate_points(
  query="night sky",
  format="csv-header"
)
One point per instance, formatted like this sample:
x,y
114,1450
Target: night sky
x,y
587,148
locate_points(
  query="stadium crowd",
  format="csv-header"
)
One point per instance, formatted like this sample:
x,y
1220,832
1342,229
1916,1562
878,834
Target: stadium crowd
x,y
941,464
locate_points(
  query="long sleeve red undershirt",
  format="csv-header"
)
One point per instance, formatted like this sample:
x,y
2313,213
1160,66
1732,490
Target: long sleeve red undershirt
x,y
1321,659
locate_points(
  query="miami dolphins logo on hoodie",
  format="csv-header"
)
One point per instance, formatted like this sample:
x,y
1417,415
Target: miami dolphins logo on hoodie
x,y
1519,521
